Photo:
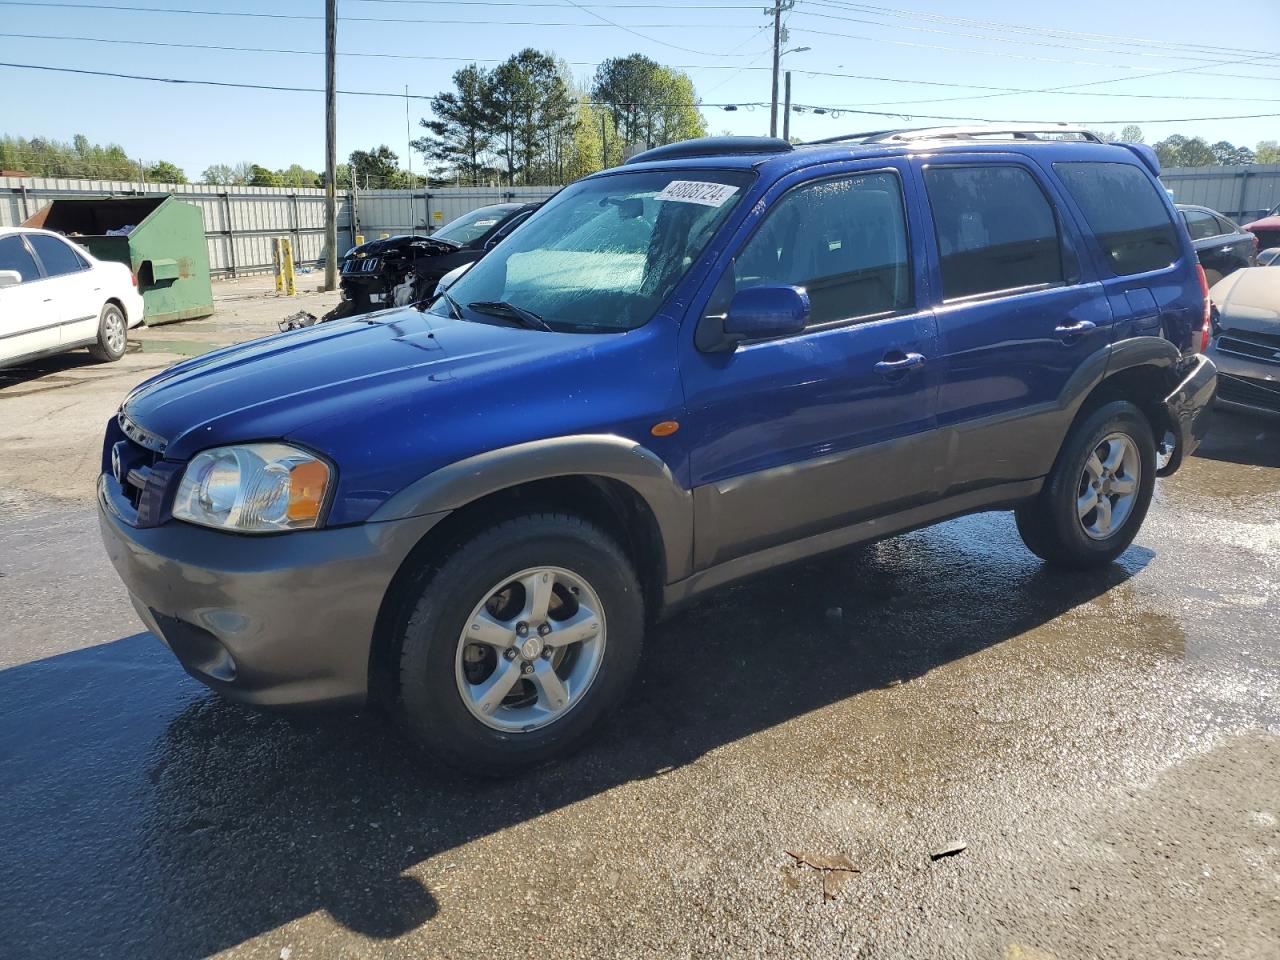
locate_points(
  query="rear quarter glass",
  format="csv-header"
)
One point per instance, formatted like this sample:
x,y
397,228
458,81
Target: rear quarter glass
x,y
1125,212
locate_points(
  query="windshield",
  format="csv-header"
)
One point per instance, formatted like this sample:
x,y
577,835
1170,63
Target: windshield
x,y
473,225
606,252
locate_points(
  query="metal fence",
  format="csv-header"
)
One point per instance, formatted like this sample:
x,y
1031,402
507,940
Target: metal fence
x,y
239,222
1243,193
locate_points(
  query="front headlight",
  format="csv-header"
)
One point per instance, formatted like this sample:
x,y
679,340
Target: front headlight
x,y
253,488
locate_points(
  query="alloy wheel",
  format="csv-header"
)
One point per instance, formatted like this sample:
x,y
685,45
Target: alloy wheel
x,y
1108,488
530,649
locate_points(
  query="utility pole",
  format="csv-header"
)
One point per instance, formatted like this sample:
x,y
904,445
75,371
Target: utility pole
x,y
777,62
408,154
786,111
330,145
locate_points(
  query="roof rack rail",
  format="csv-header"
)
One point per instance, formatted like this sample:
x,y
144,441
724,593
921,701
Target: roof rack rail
x,y
994,131
711,147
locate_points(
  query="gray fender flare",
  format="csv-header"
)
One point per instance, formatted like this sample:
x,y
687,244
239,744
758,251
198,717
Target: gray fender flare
x,y
592,455
1111,359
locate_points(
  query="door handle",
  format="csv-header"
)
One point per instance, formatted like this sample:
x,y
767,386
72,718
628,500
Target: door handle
x,y
1066,330
908,362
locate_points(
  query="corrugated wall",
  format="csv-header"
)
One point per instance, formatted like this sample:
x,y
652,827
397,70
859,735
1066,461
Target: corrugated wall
x,y
239,222
1242,193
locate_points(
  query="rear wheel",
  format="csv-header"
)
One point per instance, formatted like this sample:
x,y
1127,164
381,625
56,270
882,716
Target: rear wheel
x,y
1097,495
112,335
520,642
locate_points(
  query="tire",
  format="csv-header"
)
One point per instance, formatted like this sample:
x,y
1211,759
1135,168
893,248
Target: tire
x,y
1058,525
443,677
113,335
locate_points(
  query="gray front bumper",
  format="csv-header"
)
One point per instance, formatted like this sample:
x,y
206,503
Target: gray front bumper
x,y
271,620
1247,382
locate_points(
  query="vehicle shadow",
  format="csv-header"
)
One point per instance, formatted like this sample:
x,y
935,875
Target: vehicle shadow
x,y
45,367
1244,437
149,819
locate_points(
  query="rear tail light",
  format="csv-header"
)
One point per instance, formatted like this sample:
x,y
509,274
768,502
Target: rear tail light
x,y
1205,327
134,278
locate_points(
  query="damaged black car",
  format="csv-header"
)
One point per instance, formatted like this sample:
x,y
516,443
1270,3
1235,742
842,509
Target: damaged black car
x,y
396,271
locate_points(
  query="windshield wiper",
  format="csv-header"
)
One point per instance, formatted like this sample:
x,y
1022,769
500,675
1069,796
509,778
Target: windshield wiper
x,y
503,308
454,310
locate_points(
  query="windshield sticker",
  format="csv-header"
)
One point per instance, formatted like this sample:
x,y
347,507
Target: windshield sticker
x,y
696,191
485,223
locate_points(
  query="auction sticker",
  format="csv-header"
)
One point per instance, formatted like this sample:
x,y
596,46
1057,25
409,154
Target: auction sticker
x,y
696,191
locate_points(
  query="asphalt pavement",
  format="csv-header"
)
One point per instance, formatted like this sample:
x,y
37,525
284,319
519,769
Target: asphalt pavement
x,y
1104,746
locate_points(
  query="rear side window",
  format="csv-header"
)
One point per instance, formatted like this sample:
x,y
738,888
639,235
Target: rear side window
x,y
1201,225
996,230
14,256
843,240
57,256
1123,208
1225,226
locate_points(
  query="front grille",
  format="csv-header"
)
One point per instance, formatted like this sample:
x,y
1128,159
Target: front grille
x,y
134,459
1267,353
1248,392
361,265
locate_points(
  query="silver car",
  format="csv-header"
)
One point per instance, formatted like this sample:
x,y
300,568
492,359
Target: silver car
x,y
1246,338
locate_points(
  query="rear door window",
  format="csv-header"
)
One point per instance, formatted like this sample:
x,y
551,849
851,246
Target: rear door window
x,y
56,255
15,256
996,229
1125,212
844,240
1201,225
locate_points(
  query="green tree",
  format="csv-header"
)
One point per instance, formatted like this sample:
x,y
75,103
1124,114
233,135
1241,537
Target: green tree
x,y
297,175
1267,151
373,169
460,134
165,172
42,157
219,174
262,177
650,104
1131,133
1226,152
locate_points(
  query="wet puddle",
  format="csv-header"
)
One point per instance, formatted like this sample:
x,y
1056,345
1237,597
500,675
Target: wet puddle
x,y
185,348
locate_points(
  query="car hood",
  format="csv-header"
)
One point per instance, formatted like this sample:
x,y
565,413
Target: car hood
x,y
274,387
1266,223
1249,299
385,245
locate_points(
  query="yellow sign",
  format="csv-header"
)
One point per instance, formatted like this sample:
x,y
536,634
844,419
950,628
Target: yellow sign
x,y
437,216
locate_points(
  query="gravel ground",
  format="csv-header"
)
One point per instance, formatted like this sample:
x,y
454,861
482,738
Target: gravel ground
x,y
1106,746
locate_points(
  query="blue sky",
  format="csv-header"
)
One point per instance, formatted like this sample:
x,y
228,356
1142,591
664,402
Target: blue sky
x,y
724,50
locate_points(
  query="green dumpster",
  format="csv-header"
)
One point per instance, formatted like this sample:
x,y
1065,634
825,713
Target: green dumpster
x,y
160,238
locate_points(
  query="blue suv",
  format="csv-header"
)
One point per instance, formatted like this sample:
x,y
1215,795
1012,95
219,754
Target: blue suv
x,y
726,355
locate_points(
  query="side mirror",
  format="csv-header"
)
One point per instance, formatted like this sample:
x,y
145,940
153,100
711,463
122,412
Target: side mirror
x,y
10,278
757,313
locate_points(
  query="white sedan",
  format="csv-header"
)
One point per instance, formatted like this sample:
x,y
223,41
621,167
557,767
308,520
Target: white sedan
x,y
56,296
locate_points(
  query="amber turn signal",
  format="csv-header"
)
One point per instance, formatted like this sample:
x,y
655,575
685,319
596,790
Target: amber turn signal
x,y
307,483
664,429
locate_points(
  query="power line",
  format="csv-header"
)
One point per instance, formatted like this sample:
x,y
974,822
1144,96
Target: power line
x,y
752,104
607,6
627,29
1000,91
1004,26
432,20
1037,58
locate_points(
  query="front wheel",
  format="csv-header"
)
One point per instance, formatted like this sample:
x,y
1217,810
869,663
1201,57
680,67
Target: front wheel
x,y
1097,495
520,642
